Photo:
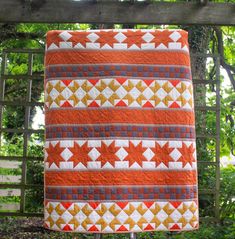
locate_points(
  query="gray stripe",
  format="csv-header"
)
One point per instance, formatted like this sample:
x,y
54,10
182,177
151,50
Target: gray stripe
x,y
130,138
124,64
123,124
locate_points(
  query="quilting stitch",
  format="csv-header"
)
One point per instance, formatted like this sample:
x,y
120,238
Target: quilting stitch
x,y
120,150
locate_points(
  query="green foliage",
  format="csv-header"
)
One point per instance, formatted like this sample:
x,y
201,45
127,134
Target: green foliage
x,y
34,196
12,146
227,133
227,194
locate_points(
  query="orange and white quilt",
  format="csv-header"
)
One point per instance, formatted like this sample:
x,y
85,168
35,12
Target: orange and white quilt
x,y
120,153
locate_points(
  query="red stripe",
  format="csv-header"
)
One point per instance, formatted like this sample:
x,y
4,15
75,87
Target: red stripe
x,y
151,116
75,178
120,56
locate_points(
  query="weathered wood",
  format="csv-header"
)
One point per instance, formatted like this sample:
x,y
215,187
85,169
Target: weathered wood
x,y
21,50
218,117
21,103
10,178
28,131
9,164
19,214
9,192
68,11
28,186
20,158
9,206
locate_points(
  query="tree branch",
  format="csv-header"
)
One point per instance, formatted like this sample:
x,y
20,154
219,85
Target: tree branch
x,y
229,68
9,31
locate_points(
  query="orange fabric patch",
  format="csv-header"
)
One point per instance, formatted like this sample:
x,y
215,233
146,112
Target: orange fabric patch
x,y
123,57
83,116
120,178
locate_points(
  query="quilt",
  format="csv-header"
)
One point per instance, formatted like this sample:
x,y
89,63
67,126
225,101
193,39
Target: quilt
x,y
120,152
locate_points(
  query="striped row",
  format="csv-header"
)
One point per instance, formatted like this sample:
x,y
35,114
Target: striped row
x,y
120,193
117,70
116,57
121,177
120,217
118,115
110,39
124,131
119,92
80,155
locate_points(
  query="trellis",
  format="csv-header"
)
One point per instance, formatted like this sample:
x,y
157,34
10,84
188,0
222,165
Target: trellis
x,y
199,12
26,131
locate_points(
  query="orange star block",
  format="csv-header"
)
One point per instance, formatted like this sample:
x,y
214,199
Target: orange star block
x,y
134,38
54,154
135,154
80,37
106,37
107,154
162,154
187,154
80,154
161,37
52,37
183,39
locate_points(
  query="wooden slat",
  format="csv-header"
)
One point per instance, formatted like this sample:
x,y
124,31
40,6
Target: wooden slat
x,y
206,108
205,82
9,164
20,77
9,206
26,136
67,11
22,50
205,136
21,103
10,178
9,192
206,191
27,186
28,131
19,214
206,162
20,158
218,118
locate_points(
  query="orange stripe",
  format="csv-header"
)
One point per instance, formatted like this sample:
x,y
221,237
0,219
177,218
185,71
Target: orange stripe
x,y
84,116
132,57
74,178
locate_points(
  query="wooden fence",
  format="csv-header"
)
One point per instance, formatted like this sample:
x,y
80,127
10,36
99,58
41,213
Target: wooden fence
x,y
16,185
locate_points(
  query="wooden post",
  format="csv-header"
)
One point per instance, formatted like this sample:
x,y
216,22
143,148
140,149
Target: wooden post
x,y
97,236
133,235
217,185
200,12
2,89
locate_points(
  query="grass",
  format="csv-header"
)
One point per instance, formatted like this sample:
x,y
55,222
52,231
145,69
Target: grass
x,y
9,171
32,228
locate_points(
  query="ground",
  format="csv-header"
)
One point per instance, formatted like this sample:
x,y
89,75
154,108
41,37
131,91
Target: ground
x,y
21,228
32,228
